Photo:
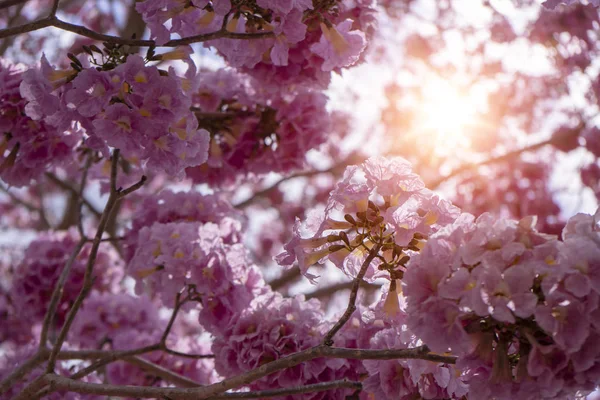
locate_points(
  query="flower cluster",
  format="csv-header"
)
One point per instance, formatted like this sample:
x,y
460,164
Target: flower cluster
x,y
379,203
287,41
124,104
105,317
28,147
252,131
124,322
170,257
37,274
520,189
178,248
273,327
578,20
519,308
169,206
405,379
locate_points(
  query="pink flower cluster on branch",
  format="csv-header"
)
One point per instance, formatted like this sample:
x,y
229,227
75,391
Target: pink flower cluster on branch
x,y
380,201
519,308
179,247
124,104
509,312
252,131
34,278
29,146
308,39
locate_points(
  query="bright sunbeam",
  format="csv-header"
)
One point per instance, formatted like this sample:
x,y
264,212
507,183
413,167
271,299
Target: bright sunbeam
x,y
444,113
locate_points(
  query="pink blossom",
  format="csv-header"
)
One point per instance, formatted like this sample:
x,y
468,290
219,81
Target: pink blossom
x,y
339,46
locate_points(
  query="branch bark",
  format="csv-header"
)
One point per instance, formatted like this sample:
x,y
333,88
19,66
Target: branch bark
x,y
208,392
328,340
83,31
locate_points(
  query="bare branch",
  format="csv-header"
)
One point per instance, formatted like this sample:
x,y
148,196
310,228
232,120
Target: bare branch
x,y
133,188
30,27
54,8
112,357
187,355
82,183
29,391
304,174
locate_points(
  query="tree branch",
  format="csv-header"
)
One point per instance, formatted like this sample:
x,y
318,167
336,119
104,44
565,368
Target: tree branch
x,y
57,293
115,195
83,31
314,388
328,340
162,372
304,174
209,392
112,357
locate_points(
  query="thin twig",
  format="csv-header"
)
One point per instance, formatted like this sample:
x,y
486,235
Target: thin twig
x,y
304,174
165,335
112,357
162,372
187,355
11,21
82,183
29,391
328,339
114,170
54,8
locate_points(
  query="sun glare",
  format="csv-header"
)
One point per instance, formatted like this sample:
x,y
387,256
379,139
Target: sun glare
x,y
445,113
